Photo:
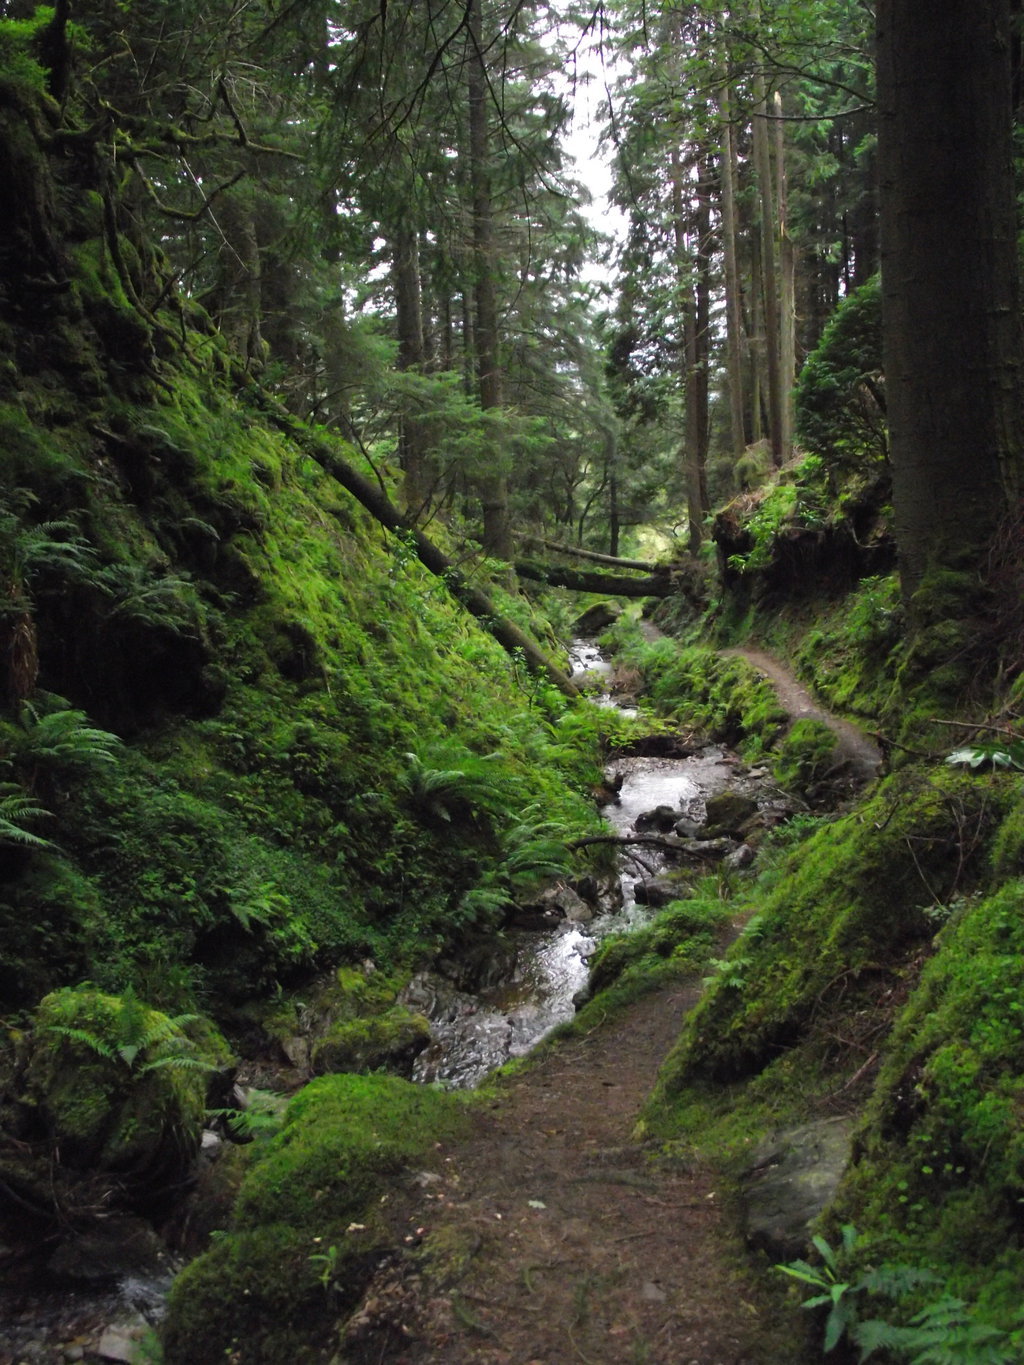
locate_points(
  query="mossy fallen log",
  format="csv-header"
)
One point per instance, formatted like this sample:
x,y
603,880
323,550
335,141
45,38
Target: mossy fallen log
x,y
380,506
607,585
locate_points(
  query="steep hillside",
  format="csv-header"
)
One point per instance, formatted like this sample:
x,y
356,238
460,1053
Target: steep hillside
x,y
284,675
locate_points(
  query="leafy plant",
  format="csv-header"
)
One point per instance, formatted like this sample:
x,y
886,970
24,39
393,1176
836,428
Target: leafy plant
x,y
944,1332
995,753
451,781
17,807
831,1289
61,739
140,1039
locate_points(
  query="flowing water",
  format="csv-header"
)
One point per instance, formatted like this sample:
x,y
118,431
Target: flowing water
x,y
475,1032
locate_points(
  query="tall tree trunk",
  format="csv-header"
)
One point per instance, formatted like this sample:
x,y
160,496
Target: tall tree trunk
x,y
769,268
497,537
691,228
412,441
787,288
733,293
952,340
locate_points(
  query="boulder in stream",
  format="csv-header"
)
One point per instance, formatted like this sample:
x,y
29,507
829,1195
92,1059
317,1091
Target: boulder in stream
x,y
662,819
597,618
658,891
728,811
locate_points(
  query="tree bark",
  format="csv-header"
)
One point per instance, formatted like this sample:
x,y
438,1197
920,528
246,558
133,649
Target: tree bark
x,y
952,343
733,295
494,488
603,584
412,440
787,288
769,270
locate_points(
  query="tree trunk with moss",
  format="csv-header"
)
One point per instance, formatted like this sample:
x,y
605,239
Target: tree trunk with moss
x,y
950,291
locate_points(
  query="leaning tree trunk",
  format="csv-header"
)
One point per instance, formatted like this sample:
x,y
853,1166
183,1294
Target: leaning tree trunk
x,y
950,297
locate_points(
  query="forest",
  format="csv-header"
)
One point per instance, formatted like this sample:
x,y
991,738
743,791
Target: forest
x,y
357,359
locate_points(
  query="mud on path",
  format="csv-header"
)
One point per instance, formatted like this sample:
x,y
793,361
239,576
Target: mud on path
x,y
556,1238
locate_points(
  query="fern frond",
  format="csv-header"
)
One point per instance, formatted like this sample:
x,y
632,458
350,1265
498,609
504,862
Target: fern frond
x,y
17,807
85,1038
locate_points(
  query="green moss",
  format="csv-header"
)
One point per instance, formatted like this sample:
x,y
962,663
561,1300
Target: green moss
x,y
848,907
805,755
117,1085
308,1225
940,1156
387,1041
684,933
722,696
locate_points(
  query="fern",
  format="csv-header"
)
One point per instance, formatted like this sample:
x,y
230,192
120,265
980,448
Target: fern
x,y
63,739
452,781
132,1031
943,1333
17,807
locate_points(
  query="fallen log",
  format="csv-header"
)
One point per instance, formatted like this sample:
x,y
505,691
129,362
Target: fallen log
x,y
380,506
644,565
604,585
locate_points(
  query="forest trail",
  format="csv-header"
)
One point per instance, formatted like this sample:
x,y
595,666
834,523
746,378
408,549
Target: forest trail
x,y
563,1239
559,1237
856,747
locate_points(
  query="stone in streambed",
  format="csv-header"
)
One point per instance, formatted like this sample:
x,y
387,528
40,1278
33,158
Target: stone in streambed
x,y
662,819
727,812
658,891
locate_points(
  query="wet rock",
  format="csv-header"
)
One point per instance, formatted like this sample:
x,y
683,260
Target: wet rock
x,y
107,1250
597,618
793,1178
658,891
687,829
122,1340
727,811
739,858
560,902
710,849
662,819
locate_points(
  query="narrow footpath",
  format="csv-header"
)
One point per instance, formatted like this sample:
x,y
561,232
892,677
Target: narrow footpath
x,y
559,1238
552,1236
858,748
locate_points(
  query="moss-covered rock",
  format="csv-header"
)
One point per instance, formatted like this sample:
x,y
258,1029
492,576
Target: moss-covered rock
x,y
386,1042
805,756
110,1088
684,933
309,1224
939,1162
847,908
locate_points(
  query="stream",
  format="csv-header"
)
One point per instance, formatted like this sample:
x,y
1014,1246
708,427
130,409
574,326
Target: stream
x,y
476,1031
533,983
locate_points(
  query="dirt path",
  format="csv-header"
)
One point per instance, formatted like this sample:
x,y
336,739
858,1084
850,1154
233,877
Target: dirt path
x,y
556,1238
862,753
565,1241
